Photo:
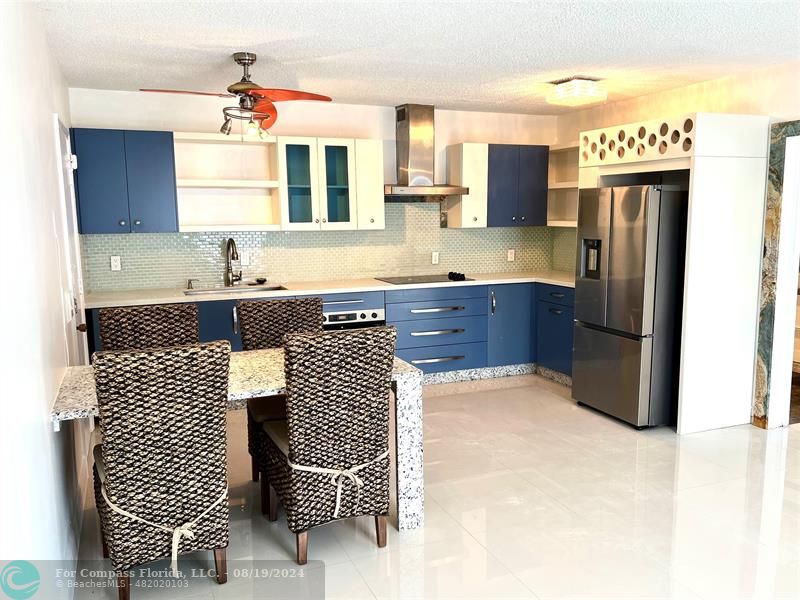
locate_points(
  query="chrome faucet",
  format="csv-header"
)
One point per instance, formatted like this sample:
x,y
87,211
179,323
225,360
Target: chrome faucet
x,y
231,254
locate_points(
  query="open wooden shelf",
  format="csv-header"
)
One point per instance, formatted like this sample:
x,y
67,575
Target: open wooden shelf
x,y
562,223
228,183
562,185
237,227
219,138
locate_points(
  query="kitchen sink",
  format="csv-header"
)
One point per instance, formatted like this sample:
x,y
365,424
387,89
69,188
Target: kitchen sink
x,y
233,290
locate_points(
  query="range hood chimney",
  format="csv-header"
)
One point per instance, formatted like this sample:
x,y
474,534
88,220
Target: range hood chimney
x,y
415,155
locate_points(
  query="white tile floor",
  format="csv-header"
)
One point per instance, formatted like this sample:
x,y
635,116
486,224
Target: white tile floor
x,y
530,496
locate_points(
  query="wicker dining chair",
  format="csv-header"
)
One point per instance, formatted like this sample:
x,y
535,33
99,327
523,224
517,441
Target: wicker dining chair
x,y
146,327
160,474
262,324
330,459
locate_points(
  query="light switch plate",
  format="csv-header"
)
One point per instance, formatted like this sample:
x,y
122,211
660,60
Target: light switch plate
x,y
434,258
116,263
245,258
511,255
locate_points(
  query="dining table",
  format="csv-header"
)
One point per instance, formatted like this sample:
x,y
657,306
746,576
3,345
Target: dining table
x,y
259,373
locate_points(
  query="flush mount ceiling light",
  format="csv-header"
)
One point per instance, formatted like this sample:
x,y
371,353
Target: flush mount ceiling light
x,y
575,91
255,103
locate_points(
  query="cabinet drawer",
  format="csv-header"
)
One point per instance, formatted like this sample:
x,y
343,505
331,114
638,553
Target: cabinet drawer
x,y
451,292
440,332
452,357
554,328
555,293
354,301
435,309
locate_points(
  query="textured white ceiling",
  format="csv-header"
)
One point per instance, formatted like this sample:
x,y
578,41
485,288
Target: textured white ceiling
x,y
485,56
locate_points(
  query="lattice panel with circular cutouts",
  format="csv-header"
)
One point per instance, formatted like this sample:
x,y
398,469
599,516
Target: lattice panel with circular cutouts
x,y
636,142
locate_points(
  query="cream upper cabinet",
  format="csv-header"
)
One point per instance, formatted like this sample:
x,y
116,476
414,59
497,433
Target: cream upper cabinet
x,y
369,184
467,166
330,184
298,170
337,174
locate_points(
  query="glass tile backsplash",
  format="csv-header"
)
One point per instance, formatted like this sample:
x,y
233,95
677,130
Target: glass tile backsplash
x,y
412,233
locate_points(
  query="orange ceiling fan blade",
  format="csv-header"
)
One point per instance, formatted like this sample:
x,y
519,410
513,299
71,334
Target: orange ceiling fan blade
x,y
189,92
279,95
268,108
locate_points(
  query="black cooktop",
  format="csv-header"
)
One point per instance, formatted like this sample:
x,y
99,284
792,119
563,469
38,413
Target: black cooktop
x,y
424,278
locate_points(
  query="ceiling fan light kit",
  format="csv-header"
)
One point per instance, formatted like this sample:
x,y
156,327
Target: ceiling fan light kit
x,y
255,103
576,91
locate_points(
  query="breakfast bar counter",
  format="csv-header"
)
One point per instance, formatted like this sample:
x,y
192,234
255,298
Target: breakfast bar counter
x,y
259,373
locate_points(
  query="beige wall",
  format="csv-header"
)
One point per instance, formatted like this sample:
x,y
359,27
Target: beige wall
x,y
774,92
169,112
41,502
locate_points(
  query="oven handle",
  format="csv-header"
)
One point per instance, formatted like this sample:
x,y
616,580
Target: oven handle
x,y
430,361
435,332
235,321
332,302
419,311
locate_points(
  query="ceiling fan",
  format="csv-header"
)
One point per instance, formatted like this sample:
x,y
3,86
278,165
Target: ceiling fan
x,y
256,104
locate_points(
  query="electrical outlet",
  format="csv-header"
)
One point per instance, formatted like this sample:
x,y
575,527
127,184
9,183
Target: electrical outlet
x,y
245,258
116,263
434,258
511,255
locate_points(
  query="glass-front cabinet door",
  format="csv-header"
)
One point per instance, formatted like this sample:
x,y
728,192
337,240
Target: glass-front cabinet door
x,y
337,173
299,183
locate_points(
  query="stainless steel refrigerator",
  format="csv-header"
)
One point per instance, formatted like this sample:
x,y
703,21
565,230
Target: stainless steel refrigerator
x,y
628,299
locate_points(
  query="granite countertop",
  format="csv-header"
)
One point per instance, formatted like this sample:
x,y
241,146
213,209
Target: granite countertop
x,y
172,295
253,374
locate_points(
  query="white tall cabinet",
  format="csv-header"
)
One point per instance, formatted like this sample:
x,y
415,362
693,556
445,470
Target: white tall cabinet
x,y
726,157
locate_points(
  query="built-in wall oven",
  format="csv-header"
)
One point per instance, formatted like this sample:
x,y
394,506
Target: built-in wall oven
x,y
353,311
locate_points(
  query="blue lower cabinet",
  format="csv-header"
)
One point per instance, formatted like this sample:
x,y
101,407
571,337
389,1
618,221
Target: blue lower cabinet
x,y
554,327
452,357
512,328
217,322
440,332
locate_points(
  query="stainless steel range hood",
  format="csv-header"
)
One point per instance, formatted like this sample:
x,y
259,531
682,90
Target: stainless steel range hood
x,y
414,134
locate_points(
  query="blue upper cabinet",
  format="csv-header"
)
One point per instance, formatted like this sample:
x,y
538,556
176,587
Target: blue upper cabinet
x,y
502,185
150,166
101,183
125,181
532,198
517,185
512,326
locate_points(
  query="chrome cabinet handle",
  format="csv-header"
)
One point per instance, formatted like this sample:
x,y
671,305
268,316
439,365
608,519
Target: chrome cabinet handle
x,y
430,361
435,332
331,302
513,218
494,302
556,294
137,222
122,222
419,311
556,311
235,320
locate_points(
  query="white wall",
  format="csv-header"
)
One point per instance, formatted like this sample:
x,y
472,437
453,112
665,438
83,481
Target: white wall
x,y
41,502
141,110
774,92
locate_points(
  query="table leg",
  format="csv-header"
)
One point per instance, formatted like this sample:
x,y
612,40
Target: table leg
x,y
408,438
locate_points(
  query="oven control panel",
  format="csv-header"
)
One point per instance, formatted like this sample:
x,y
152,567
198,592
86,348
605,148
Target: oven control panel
x,y
367,315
